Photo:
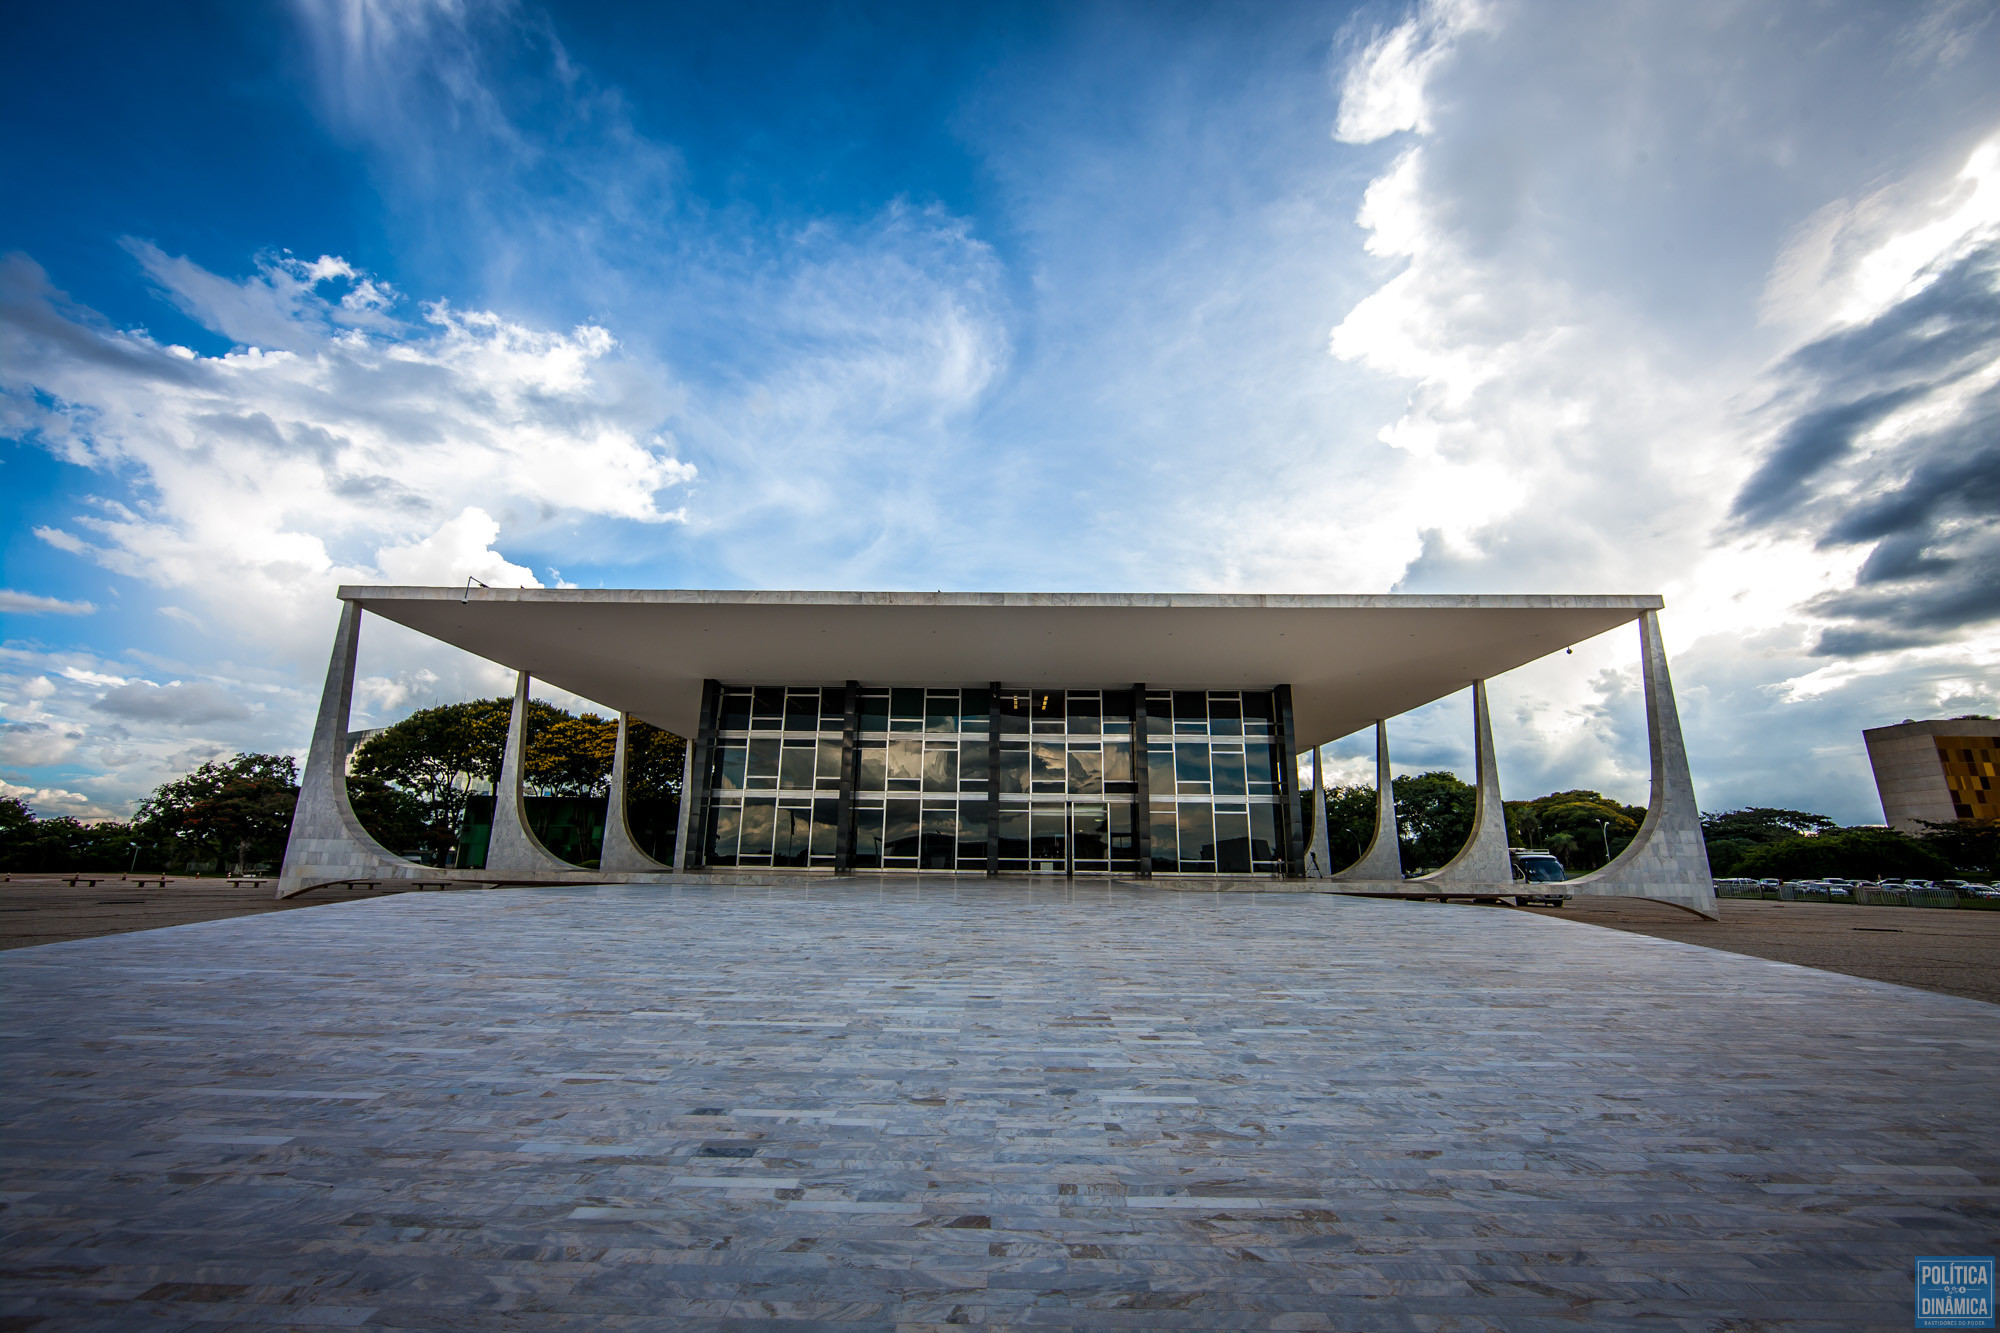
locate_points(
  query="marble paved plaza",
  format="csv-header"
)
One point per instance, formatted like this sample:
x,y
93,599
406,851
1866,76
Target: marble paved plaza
x,y
927,1106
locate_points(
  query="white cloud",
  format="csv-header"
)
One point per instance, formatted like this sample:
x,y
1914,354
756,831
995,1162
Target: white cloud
x,y
32,604
1382,90
341,449
1598,261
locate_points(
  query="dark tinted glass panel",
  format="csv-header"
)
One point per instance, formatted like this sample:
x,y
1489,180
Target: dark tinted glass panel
x,y
794,837
1013,775
875,711
1085,714
1121,831
972,836
1197,834
972,763
1232,843
974,709
826,827
802,711
874,767
902,829
724,823
1190,713
1049,774
1191,767
1256,713
731,760
1086,770
1118,712
1048,711
940,839
1165,833
941,712
1048,841
759,824
735,714
833,708
796,772
868,837
906,766
1117,762
827,767
1014,714
767,707
1228,773
1090,825
1260,768
941,766
1264,835
763,763
1013,833
1160,769
1159,715
1225,715
906,712
1123,847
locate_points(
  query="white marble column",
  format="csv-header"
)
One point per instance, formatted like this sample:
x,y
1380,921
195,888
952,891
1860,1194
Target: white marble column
x,y
1483,861
513,845
1319,858
327,843
1383,861
1667,860
620,851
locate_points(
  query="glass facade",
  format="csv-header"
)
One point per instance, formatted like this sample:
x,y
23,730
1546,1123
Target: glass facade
x,y
1041,781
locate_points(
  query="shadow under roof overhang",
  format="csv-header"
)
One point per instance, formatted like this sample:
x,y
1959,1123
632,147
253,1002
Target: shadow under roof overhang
x,y
1349,659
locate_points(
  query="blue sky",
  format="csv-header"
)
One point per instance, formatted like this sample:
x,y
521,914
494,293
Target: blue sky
x,y
1697,299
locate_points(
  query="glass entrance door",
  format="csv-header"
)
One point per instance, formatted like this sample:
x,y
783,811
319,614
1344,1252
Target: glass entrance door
x,y
1048,840
1071,837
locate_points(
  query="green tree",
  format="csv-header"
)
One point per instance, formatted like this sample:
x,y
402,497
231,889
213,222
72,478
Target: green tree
x,y
567,755
1971,845
1350,824
653,762
1433,818
1582,829
1734,834
236,810
32,845
435,757
1848,853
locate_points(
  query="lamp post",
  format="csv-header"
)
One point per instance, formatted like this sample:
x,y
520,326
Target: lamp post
x,y
1604,828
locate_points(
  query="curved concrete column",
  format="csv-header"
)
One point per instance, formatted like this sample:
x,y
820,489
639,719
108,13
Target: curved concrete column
x,y
327,843
620,851
1384,858
513,845
686,819
1319,859
1483,860
1666,860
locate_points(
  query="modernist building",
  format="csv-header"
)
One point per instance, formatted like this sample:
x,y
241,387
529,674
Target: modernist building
x,y
1938,770
1153,737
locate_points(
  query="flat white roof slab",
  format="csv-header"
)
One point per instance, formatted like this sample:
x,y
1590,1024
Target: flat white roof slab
x,y
1349,659
918,1105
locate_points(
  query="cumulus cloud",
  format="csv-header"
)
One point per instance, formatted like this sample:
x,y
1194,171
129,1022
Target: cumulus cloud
x,y
31,604
334,448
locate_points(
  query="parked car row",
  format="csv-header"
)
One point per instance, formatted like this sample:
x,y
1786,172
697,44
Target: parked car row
x,y
1836,889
